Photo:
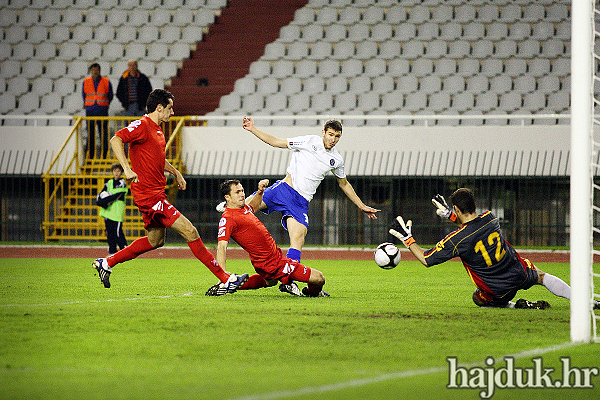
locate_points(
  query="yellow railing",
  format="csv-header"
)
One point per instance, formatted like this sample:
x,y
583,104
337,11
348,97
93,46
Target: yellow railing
x,y
74,178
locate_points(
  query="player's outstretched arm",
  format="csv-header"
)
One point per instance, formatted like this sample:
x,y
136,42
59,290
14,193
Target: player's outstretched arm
x,y
443,209
349,191
256,200
248,124
222,253
119,149
403,231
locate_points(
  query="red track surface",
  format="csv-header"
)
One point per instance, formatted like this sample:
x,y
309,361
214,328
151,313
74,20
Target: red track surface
x,y
184,252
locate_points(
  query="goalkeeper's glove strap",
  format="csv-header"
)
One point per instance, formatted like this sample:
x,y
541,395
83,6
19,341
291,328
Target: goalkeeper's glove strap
x,y
409,241
452,216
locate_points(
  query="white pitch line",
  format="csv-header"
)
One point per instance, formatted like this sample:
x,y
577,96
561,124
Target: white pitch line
x,y
393,375
65,303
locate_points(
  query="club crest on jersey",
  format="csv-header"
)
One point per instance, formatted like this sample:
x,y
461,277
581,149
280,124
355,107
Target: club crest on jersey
x,y
332,162
314,147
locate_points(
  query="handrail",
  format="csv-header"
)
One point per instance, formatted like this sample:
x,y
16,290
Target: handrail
x,y
74,129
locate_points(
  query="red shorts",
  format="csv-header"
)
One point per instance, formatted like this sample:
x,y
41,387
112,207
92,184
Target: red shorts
x,y
158,213
531,278
287,270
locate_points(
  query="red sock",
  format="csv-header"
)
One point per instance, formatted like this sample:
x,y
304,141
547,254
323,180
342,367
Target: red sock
x,y
313,289
254,282
139,246
202,254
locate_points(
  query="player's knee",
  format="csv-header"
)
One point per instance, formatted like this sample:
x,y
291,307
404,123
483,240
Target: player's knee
x,y
480,299
317,277
157,242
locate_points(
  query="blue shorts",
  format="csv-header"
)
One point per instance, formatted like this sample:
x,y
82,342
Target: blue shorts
x,y
282,197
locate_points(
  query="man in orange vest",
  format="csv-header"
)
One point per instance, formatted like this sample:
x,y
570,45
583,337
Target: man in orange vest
x,y
97,94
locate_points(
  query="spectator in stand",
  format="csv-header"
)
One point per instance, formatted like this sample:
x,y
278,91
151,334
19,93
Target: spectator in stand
x,y
97,94
133,90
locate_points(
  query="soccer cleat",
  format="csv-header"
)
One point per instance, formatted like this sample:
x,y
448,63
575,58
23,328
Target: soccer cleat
x,y
307,293
290,288
220,207
103,271
537,305
232,284
596,305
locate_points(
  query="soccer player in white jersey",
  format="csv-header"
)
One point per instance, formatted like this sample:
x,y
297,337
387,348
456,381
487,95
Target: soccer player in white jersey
x,y
312,159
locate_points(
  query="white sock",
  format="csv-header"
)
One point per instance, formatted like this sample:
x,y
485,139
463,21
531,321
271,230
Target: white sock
x,y
557,286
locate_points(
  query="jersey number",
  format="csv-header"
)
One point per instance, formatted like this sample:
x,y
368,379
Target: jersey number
x,y
134,125
500,252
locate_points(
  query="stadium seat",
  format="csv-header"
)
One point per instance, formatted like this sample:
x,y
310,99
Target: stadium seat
x,y
419,14
326,15
148,34
274,51
95,17
441,14
383,84
392,101
345,102
72,17
8,17
396,15
398,67
158,51
51,103
436,49
283,68
343,50
557,12
113,51
116,17
28,102
515,67
173,4
454,84
539,67
464,13
501,84
375,67
439,102
32,69
534,101
329,68
373,15
505,49
519,31
18,85
169,34
553,48
321,102
73,104
496,31
366,50
559,101
430,84
259,69
104,34
291,85
360,84
482,48
561,66
451,31
290,33
312,33
64,86
405,32
8,102
486,101
204,17
166,69
407,84
56,69
381,32
42,86
351,68
244,86
275,102
59,34
459,49
5,51
444,67
129,4
150,4
525,84
542,30
468,67
428,31
253,102
267,86
389,50
28,17
77,69
306,68
464,101
37,34
297,51
337,84
230,102
191,34
15,34
478,84
368,102
126,34
488,13
298,102
563,30
135,51
82,34
510,101
413,49
23,51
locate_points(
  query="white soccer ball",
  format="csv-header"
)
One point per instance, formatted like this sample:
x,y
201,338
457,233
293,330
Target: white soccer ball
x,y
387,256
104,194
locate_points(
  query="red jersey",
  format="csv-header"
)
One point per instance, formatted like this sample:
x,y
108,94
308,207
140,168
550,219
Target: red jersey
x,y
247,230
147,154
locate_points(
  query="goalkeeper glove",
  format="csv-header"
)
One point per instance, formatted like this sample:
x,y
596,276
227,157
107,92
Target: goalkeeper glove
x,y
443,209
402,231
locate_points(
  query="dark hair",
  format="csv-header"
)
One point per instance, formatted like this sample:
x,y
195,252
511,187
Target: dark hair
x,y
225,187
333,124
95,65
463,199
117,165
156,97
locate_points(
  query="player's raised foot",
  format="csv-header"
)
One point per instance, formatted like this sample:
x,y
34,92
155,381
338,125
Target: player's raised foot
x,y
596,305
220,207
290,288
307,293
537,305
103,271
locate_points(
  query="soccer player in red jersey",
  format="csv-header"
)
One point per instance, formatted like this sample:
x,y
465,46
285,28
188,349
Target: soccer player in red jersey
x,y
492,263
146,173
239,222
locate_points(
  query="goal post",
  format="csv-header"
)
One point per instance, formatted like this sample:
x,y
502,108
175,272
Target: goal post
x,y
582,46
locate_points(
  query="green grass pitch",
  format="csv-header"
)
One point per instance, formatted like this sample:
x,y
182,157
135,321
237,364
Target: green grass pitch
x,y
154,335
